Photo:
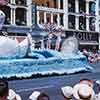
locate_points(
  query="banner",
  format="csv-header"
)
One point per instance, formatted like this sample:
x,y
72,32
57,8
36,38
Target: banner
x,y
2,19
4,2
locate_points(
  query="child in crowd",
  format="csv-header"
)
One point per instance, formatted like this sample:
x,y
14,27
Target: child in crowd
x,y
67,92
36,95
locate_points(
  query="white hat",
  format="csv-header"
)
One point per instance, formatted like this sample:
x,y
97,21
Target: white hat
x,y
84,90
67,91
12,95
34,95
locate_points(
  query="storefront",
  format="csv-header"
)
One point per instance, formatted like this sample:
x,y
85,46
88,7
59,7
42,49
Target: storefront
x,y
87,40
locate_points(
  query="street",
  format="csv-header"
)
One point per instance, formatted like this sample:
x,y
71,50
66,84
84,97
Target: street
x,y
51,85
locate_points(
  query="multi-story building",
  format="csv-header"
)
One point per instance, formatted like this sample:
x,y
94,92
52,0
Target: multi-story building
x,y
18,17
78,17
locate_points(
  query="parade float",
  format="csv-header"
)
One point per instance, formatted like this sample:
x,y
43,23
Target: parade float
x,y
14,63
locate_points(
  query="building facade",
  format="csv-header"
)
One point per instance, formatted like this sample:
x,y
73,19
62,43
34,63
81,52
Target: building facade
x,y
18,17
78,17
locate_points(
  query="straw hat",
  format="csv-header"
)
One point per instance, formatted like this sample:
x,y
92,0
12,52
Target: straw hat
x,y
87,81
13,95
83,90
34,95
67,91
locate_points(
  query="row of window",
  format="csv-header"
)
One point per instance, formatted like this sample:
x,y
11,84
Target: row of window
x,y
18,2
71,5
49,4
82,7
19,14
71,21
82,23
48,18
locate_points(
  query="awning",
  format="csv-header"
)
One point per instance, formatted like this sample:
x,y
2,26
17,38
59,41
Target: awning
x,y
16,29
88,43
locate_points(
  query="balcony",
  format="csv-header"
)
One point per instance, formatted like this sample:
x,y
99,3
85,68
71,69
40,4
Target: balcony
x,y
41,8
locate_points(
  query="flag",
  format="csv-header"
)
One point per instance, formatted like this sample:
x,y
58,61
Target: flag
x,y
4,2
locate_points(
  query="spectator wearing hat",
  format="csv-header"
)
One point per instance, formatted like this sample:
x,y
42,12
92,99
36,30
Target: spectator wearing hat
x,y
3,89
36,95
67,92
13,95
87,81
83,92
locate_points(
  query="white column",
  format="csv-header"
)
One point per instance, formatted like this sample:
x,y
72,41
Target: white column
x,y
77,6
87,23
51,17
77,17
29,13
45,19
29,16
97,15
65,19
38,17
87,7
87,18
99,41
13,16
77,22
58,4
58,20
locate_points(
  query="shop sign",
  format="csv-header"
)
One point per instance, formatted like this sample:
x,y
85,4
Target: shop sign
x,y
85,36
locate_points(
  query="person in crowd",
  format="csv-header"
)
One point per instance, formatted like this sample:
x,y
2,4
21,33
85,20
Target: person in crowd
x,y
97,97
83,92
85,52
13,96
67,92
36,95
87,81
4,90
58,41
50,35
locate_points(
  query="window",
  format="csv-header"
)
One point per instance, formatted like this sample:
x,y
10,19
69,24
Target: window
x,y
82,23
55,3
92,23
41,21
71,21
92,8
61,4
21,2
7,12
20,16
48,18
55,18
71,6
61,19
82,6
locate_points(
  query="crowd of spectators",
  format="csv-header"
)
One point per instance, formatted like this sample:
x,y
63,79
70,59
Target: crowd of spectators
x,y
82,90
93,56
